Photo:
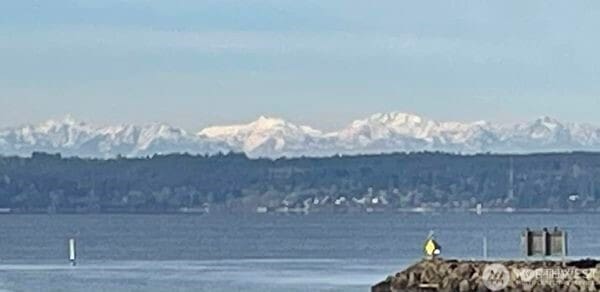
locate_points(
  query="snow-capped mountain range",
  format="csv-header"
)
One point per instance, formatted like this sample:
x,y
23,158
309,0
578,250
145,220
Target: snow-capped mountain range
x,y
272,137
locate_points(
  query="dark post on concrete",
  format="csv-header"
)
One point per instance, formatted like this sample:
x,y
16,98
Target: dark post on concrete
x,y
551,243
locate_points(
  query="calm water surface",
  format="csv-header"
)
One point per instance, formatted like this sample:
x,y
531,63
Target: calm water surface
x,y
269,252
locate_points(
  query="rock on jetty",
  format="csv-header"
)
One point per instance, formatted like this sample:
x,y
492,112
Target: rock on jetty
x,y
456,275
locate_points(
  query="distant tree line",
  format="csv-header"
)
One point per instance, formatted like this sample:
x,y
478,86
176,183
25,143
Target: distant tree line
x,y
50,183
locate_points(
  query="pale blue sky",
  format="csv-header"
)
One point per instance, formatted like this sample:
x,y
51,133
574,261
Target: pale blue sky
x,y
321,63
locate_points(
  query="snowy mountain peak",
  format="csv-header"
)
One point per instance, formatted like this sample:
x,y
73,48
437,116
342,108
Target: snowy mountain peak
x,y
397,118
385,126
481,123
265,135
54,124
262,124
276,137
72,137
70,120
269,120
548,122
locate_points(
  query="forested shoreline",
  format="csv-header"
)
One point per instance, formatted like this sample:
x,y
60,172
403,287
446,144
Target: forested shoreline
x,y
233,182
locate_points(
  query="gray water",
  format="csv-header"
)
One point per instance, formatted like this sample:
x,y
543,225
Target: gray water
x,y
267,252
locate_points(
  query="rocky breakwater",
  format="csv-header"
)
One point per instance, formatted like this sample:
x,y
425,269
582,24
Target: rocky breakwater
x,y
457,275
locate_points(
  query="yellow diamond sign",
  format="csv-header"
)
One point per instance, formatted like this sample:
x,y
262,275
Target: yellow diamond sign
x,y
431,248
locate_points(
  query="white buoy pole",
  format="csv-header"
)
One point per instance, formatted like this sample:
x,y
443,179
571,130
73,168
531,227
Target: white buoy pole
x,y
485,252
72,255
